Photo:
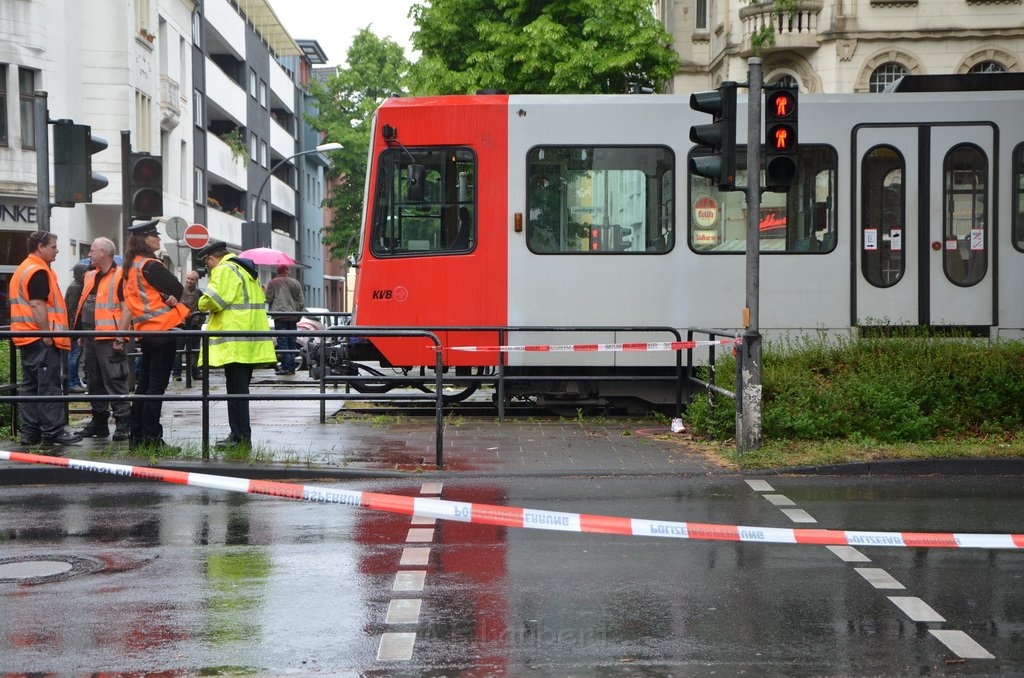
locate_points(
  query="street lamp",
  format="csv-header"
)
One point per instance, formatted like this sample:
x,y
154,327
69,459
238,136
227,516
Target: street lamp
x,y
322,148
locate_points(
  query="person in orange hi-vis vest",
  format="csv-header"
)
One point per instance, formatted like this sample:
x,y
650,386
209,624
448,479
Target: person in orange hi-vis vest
x,y
151,293
101,307
37,304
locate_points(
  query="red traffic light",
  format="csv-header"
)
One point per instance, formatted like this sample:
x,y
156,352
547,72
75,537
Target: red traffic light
x,y
782,138
780,104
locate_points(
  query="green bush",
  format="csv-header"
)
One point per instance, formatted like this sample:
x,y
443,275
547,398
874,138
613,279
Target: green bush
x,y
904,388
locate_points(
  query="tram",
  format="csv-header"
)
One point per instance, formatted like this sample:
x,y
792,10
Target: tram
x,y
498,210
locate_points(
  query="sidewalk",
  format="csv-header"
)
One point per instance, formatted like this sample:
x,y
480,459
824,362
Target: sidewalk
x,y
290,441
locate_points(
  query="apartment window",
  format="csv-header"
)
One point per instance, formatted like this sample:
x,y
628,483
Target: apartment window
x,y
3,105
143,122
26,92
197,107
200,198
252,204
263,94
197,29
142,16
254,147
263,153
885,75
252,83
700,16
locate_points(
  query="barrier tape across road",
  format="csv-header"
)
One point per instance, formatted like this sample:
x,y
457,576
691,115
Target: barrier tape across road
x,y
590,348
510,516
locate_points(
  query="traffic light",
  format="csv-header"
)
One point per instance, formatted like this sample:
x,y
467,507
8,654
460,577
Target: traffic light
x,y
780,137
715,155
145,185
73,178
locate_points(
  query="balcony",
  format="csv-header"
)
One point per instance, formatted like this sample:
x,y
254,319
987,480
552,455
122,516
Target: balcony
x,y
225,93
220,162
282,196
796,29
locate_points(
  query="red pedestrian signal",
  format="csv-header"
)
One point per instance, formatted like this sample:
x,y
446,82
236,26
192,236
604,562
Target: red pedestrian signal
x,y
780,134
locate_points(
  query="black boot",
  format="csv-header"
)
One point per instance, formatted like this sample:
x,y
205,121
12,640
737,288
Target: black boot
x,y
122,431
97,428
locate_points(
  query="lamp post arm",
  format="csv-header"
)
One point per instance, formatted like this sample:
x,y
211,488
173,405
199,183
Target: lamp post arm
x,y
273,168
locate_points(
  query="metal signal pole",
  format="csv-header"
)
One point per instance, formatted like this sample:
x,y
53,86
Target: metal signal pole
x,y
748,427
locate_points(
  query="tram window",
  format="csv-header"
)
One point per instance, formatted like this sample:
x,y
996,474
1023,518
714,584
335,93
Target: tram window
x,y
600,200
801,221
425,202
965,215
1017,184
882,211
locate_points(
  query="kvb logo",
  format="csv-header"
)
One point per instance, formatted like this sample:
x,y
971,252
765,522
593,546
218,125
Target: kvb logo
x,y
382,294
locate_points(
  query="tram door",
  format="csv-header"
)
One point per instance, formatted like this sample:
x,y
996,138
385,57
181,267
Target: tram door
x,y
923,228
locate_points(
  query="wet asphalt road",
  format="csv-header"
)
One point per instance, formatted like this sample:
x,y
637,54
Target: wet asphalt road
x,y
183,580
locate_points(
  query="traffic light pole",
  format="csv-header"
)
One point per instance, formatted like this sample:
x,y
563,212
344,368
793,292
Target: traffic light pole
x,y
126,190
41,116
748,434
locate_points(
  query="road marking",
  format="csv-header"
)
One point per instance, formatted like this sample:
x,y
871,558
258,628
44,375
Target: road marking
x,y
396,647
420,534
779,500
760,486
415,555
916,609
798,515
961,644
848,554
411,580
403,611
431,488
878,578
423,520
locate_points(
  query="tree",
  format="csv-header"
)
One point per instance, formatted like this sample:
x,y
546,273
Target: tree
x,y
540,47
377,69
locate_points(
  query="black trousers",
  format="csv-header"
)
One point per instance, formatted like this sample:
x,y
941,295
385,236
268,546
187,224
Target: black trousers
x,y
154,372
41,371
237,377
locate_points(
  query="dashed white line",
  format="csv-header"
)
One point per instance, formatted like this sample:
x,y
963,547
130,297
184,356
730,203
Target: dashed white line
x,y
916,609
878,578
415,555
423,520
420,534
798,515
431,488
396,647
848,554
403,611
759,485
779,500
961,644
411,580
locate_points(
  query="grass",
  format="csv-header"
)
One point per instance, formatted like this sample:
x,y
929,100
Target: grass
x,y
907,396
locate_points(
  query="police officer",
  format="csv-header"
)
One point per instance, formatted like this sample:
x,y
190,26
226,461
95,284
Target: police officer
x,y
235,301
151,293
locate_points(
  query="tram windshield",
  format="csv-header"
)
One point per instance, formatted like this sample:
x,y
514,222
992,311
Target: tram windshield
x,y
425,202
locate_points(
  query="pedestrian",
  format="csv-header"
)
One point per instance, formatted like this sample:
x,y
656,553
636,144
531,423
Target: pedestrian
x,y
235,302
71,297
106,366
190,298
37,304
284,294
151,293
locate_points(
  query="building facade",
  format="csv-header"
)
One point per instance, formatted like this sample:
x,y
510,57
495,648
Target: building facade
x,y
836,46
212,87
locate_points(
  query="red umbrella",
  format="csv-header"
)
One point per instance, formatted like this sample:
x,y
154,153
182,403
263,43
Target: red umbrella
x,y
267,256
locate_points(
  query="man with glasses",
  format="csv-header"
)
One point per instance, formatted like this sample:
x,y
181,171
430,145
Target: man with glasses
x,y
38,305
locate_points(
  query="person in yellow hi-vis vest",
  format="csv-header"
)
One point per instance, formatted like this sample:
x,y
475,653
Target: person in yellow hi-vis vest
x,y
37,304
235,301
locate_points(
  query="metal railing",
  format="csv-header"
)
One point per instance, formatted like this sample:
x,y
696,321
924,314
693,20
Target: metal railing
x,y
710,386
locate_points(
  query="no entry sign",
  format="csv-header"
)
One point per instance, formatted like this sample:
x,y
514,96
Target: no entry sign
x,y
196,236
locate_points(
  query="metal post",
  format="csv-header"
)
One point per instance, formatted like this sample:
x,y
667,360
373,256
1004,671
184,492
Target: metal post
x,y
41,116
126,191
749,422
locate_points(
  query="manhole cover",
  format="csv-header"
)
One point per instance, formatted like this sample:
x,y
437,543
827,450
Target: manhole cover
x,y
40,569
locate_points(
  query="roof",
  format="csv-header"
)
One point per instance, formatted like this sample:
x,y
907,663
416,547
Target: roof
x,y
266,23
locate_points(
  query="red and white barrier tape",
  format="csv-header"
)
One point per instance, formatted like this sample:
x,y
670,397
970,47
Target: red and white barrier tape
x,y
590,348
510,516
